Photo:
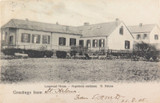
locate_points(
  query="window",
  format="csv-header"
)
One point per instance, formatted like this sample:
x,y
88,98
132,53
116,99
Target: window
x,y
127,44
25,38
95,43
144,36
11,40
46,39
101,43
72,41
62,41
156,37
4,35
138,36
35,38
121,30
81,43
88,43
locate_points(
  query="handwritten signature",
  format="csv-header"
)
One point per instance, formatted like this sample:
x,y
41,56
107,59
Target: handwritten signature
x,y
117,98
60,90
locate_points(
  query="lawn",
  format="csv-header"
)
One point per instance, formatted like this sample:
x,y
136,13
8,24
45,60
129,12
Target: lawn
x,y
76,70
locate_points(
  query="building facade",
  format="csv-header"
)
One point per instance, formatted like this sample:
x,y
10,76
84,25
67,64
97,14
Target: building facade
x,y
107,36
27,34
147,33
34,35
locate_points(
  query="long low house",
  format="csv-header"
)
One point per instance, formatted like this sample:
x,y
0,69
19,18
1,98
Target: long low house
x,y
26,34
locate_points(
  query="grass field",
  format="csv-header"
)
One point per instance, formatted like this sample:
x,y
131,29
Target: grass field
x,y
75,70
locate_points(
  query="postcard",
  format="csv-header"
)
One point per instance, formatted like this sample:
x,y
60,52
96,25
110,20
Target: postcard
x,y
80,51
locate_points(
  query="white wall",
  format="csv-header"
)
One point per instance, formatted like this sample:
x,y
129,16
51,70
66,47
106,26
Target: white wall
x,y
156,30
55,41
6,41
116,41
146,40
154,42
32,45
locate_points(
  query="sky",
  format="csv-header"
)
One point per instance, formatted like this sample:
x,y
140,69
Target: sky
x,y
76,12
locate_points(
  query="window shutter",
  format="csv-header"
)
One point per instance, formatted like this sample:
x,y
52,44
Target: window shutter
x,y
100,41
81,43
64,41
156,37
74,41
93,43
39,37
48,39
32,38
28,38
121,30
103,42
87,43
22,36
128,44
70,41
59,41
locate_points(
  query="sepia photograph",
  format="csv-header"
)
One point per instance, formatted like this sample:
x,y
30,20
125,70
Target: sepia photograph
x,y
89,42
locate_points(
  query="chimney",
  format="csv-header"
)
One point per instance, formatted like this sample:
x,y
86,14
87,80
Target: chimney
x,y
67,28
140,24
27,19
117,21
86,23
57,23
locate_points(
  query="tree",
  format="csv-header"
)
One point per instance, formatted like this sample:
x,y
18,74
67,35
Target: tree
x,y
147,51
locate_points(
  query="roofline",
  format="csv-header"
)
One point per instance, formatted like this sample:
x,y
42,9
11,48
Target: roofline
x,y
43,22
157,26
12,20
47,31
128,29
52,31
94,36
96,24
106,35
142,32
115,28
142,25
7,23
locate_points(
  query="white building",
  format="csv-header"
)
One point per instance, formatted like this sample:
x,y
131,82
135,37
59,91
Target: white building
x,y
148,33
26,34
111,35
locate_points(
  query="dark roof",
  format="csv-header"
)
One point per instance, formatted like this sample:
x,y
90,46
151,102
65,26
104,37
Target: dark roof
x,y
142,28
102,29
27,24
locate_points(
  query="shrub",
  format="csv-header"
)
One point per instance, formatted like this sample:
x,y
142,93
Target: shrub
x,y
146,50
61,54
11,51
73,53
35,53
48,53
